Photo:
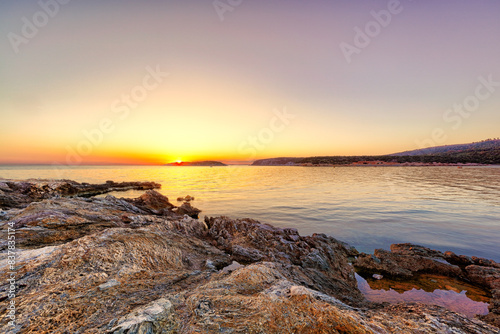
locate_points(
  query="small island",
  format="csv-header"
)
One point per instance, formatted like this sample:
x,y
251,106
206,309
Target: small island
x,y
197,163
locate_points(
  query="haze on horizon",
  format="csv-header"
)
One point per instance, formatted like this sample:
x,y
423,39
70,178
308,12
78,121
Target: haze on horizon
x,y
88,82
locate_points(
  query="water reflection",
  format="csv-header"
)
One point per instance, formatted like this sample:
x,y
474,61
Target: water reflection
x,y
443,291
442,208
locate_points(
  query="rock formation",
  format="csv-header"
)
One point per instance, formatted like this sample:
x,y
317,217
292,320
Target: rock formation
x,y
109,265
407,260
18,194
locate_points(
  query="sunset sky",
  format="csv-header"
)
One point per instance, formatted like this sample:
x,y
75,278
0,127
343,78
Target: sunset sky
x,y
86,82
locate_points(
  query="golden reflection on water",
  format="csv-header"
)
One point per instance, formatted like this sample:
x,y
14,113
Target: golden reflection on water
x,y
451,293
443,208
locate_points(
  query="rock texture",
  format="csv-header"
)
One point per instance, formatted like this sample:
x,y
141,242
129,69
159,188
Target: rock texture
x,y
18,194
60,219
135,266
407,260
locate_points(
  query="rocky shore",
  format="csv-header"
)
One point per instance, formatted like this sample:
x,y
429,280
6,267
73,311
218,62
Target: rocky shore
x,y
114,265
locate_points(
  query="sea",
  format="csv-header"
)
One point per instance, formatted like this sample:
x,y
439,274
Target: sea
x,y
444,208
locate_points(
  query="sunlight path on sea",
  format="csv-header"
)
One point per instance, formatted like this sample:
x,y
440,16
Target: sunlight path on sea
x,y
444,208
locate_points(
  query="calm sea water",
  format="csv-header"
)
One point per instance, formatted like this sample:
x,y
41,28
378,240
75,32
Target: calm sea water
x,y
445,208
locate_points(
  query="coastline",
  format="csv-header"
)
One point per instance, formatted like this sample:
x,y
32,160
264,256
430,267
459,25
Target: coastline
x,y
162,268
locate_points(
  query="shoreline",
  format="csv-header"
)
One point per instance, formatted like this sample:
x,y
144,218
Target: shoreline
x,y
105,249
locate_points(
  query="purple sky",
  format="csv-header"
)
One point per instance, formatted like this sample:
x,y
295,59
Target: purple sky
x,y
402,88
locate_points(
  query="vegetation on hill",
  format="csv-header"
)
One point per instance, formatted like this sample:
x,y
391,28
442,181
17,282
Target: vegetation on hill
x,y
483,145
483,152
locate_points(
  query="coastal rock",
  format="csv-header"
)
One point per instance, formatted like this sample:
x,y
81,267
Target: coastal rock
x,y
404,262
67,283
152,202
59,220
318,261
407,260
107,265
487,276
187,209
18,194
186,199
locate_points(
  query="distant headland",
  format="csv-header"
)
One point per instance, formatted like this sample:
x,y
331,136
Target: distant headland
x,y
197,163
486,152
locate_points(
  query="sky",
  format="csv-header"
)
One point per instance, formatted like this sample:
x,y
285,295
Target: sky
x,y
152,82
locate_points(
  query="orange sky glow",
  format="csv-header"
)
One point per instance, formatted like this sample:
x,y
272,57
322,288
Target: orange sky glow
x,y
270,80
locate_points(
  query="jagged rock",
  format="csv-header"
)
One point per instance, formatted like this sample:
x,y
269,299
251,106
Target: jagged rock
x,y
406,260
487,276
404,264
62,219
153,202
462,260
66,283
186,199
318,261
108,265
18,194
187,209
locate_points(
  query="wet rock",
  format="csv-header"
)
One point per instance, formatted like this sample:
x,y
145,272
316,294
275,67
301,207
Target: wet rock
x,y
487,276
414,250
405,261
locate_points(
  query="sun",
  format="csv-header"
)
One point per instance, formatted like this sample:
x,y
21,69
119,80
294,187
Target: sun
x,y
179,161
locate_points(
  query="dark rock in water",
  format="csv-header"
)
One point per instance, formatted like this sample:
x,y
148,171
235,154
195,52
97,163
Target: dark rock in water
x,y
404,265
153,202
187,209
186,199
109,265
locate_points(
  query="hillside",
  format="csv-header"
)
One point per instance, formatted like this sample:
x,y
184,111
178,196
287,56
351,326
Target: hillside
x,y
485,145
484,152
277,161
